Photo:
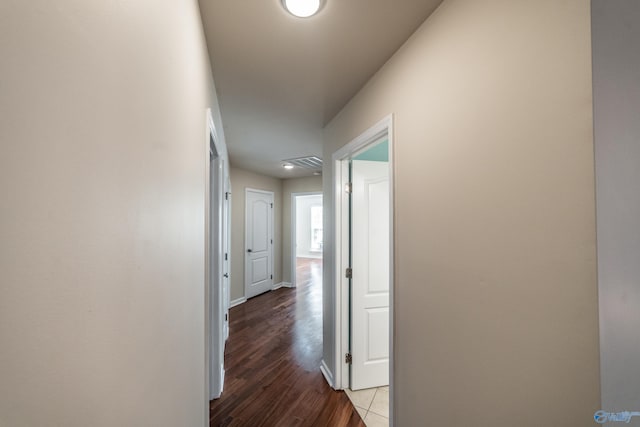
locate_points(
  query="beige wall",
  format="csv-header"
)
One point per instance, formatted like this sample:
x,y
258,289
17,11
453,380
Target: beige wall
x,y
289,186
101,232
240,181
496,319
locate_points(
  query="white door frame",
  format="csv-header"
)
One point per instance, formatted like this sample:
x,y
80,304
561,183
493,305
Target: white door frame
x,y
294,220
214,304
341,256
226,249
271,228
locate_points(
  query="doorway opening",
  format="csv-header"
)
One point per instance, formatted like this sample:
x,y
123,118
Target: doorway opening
x,y
217,235
363,267
306,236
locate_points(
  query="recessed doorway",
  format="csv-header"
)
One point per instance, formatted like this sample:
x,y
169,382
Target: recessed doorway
x,y
363,268
307,233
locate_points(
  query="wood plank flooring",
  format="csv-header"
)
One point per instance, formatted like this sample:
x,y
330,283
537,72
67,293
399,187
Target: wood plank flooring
x,y
272,361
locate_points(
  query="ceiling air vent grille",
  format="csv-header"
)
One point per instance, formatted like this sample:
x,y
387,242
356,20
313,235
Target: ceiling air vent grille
x,y
310,162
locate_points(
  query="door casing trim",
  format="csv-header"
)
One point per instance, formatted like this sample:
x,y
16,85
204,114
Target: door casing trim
x,y
340,259
214,306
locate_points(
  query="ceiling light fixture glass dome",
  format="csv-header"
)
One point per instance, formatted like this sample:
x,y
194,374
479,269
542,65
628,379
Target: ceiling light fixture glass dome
x,y
302,8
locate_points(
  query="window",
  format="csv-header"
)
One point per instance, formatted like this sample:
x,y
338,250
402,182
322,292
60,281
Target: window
x,y
316,228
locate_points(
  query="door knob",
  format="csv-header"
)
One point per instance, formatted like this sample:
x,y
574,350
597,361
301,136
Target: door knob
x,y
226,275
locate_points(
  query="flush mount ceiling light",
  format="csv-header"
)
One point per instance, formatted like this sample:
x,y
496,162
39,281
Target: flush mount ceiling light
x,y
288,166
302,8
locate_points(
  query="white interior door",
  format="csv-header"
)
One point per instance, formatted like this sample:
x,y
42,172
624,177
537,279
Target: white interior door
x,y
259,242
370,281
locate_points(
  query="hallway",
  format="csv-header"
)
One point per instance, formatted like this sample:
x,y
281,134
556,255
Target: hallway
x,y
272,361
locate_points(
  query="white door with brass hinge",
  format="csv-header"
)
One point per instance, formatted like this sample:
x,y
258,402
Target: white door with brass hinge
x,y
370,274
258,242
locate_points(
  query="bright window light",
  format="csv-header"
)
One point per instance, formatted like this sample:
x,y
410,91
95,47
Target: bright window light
x,y
302,8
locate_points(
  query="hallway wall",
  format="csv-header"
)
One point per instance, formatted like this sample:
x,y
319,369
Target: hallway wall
x,y
496,318
102,182
240,181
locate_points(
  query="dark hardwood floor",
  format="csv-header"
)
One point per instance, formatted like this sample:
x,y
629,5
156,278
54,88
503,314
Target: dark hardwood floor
x,y
272,361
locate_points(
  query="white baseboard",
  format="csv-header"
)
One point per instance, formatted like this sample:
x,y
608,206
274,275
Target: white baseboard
x,y
282,285
237,302
216,390
221,379
326,373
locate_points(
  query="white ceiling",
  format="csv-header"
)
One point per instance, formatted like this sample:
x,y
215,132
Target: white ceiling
x,y
280,79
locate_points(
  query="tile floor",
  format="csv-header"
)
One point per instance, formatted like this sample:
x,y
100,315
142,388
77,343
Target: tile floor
x,y
372,404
